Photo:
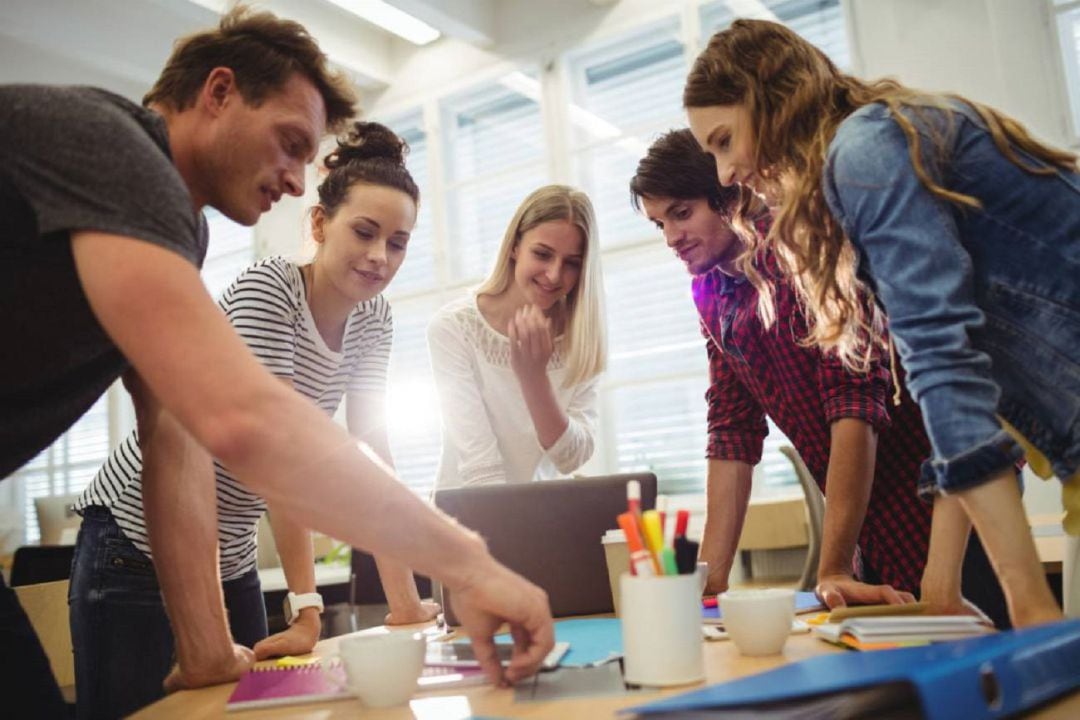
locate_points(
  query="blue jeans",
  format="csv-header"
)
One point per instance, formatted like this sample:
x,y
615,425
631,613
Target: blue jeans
x,y
119,630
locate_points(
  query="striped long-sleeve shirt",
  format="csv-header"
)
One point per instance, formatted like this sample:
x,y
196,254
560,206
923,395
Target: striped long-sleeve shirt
x,y
267,307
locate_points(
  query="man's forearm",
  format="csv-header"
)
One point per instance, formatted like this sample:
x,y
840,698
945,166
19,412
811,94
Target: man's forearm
x,y
727,495
847,492
278,444
180,505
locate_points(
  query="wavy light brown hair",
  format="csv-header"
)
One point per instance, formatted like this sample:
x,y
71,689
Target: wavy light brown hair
x,y
263,51
796,98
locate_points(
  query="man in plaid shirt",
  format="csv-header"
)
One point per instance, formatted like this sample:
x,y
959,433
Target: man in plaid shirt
x,y
876,530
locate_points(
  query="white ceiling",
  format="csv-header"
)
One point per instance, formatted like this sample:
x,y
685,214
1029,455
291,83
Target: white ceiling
x,y
122,44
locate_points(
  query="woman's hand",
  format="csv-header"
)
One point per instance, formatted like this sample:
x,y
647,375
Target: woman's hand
x,y
423,611
298,639
531,342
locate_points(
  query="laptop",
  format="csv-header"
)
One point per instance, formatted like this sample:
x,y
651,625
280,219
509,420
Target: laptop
x,y
549,532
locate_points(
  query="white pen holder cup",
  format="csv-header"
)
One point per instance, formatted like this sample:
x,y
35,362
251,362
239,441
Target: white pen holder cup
x,y
381,669
661,629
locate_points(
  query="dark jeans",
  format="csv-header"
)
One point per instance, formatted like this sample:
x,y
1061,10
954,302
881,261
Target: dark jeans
x,y
119,630
26,680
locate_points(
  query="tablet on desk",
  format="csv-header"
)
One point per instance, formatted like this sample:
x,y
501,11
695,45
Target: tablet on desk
x,y
460,654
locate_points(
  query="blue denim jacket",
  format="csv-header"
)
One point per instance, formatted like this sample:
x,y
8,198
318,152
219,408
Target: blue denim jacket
x,y
984,304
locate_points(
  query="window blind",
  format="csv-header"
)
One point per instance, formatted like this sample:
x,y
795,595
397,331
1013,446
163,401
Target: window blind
x,y
495,156
418,272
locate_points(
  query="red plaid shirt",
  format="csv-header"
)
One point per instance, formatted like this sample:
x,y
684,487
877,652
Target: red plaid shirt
x,y
756,372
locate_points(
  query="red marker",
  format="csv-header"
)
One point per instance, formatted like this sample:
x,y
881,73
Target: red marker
x,y
682,519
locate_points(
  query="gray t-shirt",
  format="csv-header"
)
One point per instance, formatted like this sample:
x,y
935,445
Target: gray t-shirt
x,y
72,158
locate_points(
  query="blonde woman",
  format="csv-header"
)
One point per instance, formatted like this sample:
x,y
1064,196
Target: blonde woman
x,y
516,361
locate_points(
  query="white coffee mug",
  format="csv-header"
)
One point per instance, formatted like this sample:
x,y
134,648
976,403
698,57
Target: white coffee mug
x,y
382,669
758,621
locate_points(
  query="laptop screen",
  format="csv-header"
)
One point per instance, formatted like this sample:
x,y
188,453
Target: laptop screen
x,y
549,532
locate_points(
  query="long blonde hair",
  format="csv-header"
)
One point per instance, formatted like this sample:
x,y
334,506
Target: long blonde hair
x,y
797,98
584,336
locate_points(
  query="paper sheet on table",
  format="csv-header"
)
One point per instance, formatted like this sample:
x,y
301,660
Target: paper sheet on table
x,y
592,640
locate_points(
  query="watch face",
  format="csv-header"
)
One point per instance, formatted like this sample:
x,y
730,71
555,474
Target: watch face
x,y
286,608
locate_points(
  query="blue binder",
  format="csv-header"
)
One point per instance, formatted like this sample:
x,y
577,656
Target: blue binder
x,y
992,676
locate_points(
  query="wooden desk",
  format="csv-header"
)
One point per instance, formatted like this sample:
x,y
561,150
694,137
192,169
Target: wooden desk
x,y
1049,540
775,523
722,662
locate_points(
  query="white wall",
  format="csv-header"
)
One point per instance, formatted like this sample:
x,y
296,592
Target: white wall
x,y
1001,52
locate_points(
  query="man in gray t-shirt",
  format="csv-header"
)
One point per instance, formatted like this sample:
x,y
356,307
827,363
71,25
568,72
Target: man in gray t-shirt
x,y
100,242
72,158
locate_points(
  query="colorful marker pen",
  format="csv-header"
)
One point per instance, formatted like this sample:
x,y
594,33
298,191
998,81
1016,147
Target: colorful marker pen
x,y
682,519
654,538
661,507
633,498
640,561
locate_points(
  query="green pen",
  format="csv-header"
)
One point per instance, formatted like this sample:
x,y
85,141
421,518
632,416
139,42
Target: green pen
x,y
667,561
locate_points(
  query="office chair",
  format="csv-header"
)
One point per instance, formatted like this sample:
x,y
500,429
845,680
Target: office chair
x,y
34,564
815,509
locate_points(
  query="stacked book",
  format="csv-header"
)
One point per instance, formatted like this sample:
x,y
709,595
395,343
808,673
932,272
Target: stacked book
x,y
875,633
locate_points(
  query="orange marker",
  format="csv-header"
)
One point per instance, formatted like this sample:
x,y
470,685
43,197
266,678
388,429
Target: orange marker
x,y
641,562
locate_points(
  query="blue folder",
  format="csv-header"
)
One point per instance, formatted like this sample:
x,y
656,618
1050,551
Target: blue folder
x,y
991,676
804,602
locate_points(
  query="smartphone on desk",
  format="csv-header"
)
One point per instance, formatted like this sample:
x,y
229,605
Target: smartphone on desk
x,y
460,654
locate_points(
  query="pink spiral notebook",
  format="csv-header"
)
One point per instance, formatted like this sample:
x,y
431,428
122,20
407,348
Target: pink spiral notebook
x,y
269,686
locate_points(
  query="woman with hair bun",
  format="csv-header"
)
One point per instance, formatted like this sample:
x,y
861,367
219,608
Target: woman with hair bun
x,y
517,361
325,329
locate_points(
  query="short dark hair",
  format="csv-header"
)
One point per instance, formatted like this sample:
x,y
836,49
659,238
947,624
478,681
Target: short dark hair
x,y
263,51
368,153
676,167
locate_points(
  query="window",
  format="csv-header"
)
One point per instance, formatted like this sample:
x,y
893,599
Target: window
x,y
497,142
819,21
495,156
1068,24
67,466
624,93
418,273
70,463
230,251
413,419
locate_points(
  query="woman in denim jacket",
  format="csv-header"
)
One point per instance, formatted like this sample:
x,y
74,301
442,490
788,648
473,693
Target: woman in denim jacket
x,y
968,232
